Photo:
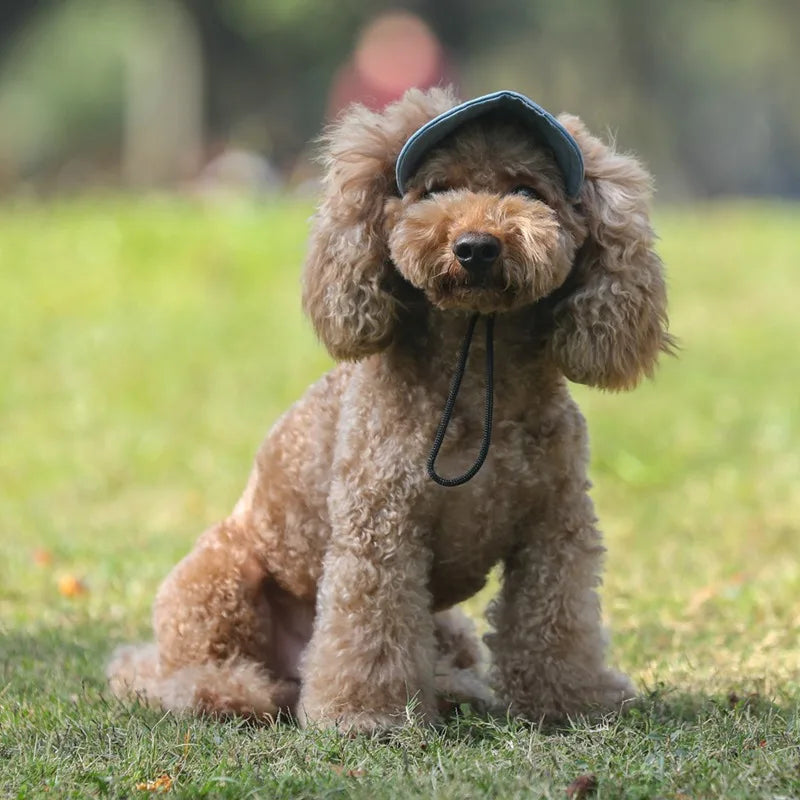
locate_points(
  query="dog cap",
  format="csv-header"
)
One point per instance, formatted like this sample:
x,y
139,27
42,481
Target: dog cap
x,y
542,123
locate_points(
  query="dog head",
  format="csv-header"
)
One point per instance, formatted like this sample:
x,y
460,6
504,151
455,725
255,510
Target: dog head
x,y
485,223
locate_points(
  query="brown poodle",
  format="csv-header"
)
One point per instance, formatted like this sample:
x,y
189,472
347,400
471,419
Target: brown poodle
x,y
329,591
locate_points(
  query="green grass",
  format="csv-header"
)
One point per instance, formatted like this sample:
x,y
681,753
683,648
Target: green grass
x,y
145,348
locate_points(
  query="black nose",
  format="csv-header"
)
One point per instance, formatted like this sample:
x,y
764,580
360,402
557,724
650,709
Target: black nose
x,y
477,251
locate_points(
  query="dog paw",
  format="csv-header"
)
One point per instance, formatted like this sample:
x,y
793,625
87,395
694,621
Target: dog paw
x,y
614,691
370,723
609,692
352,724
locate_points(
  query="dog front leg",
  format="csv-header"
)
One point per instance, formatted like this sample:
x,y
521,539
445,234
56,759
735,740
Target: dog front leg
x,y
548,645
373,649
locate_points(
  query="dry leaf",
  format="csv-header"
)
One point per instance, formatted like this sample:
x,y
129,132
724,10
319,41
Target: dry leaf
x,y
715,589
582,787
42,557
163,783
701,597
350,773
70,586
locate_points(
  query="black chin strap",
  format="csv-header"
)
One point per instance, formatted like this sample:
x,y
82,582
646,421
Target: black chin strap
x,y
451,401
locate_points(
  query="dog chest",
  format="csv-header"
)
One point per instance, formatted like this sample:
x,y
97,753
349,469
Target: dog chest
x,y
476,525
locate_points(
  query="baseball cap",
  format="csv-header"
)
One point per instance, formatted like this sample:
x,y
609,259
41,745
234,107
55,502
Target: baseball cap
x,y
542,123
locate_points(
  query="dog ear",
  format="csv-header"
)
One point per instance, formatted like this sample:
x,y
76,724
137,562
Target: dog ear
x,y
612,324
348,274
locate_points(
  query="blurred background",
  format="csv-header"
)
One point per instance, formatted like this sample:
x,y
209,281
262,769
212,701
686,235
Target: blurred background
x,y
206,94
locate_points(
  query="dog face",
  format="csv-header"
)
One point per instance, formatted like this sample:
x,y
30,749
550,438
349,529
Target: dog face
x,y
485,224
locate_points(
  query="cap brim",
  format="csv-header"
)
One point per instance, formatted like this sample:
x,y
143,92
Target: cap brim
x,y
543,124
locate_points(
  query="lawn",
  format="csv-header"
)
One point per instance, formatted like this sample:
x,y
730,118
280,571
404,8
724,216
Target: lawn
x,y
145,348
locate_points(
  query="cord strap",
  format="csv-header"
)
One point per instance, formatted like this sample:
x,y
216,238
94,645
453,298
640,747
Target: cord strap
x,y
455,385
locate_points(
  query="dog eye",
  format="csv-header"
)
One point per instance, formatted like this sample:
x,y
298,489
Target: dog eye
x,y
431,190
526,191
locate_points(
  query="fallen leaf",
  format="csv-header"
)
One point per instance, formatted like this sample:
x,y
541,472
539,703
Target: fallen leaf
x,y
701,597
42,557
163,783
70,586
715,589
350,773
582,787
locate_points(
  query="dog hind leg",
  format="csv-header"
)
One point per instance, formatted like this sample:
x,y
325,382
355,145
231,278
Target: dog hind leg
x,y
214,635
238,686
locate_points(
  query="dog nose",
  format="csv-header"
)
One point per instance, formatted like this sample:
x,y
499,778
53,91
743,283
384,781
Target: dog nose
x,y
477,252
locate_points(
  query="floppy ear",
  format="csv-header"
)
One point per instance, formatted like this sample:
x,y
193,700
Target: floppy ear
x,y
611,324
348,274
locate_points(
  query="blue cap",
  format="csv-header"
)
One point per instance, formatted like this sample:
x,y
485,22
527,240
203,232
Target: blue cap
x,y
548,129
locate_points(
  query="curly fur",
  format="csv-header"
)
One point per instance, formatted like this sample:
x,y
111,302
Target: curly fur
x,y
329,591
611,330
347,268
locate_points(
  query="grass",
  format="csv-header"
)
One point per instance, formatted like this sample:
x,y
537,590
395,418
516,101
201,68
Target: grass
x,y
146,346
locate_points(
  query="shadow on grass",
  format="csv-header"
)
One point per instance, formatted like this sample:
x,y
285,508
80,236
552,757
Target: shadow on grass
x,y
56,663
61,729
69,664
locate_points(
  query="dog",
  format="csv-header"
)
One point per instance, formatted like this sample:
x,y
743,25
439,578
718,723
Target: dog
x,y
330,592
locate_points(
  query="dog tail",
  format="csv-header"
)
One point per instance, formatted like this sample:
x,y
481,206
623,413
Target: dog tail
x,y
237,686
